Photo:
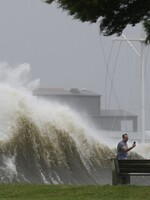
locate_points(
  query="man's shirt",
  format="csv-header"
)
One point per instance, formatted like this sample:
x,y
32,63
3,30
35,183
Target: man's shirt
x,y
121,154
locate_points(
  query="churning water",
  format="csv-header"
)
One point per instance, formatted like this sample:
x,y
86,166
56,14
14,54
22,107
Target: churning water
x,y
45,142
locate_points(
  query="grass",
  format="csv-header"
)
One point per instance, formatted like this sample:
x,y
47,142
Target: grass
x,y
66,192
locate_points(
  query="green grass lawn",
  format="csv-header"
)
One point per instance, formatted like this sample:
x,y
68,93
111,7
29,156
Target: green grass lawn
x,y
65,192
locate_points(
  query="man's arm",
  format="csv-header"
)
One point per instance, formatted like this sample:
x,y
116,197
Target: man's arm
x,y
126,149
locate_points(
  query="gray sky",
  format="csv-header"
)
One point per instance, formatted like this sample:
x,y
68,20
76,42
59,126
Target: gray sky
x,y
66,53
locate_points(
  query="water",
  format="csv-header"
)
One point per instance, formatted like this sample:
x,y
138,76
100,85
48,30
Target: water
x,y
45,142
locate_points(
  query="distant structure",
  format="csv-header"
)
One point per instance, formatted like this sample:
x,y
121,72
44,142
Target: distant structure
x,y
89,103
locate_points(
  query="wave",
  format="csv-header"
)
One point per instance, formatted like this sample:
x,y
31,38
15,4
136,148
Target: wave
x,y
45,142
51,155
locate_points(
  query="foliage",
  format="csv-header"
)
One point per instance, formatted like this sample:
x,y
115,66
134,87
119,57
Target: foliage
x,y
113,15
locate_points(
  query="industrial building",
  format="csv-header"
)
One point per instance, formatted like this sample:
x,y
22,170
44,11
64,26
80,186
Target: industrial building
x,y
89,103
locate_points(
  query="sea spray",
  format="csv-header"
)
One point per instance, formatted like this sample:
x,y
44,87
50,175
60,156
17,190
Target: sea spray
x,y
45,142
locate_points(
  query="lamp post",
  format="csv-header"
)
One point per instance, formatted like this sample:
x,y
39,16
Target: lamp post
x,y
141,55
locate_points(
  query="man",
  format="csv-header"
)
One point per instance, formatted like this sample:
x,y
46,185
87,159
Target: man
x,y
122,148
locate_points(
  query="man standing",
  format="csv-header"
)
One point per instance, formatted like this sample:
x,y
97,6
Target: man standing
x,y
122,148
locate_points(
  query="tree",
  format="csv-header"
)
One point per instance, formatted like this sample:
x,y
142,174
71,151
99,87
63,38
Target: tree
x,y
113,15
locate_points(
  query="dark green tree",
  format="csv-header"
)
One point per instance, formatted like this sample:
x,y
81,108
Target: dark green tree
x,y
113,15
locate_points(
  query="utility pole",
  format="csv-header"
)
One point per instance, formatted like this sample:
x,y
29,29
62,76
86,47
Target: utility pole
x,y
143,90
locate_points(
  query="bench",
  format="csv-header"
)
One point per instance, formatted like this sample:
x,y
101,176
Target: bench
x,y
123,169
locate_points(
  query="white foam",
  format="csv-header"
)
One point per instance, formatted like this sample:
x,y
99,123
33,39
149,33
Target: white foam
x,y
16,97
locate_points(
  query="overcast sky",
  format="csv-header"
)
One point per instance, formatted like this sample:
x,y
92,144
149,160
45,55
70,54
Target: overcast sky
x,y
64,52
